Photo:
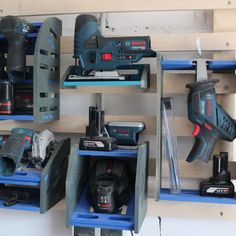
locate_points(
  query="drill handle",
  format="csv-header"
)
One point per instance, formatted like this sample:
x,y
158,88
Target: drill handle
x,y
16,58
203,146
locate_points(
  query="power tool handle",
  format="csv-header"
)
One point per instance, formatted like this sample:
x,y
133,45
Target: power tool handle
x,y
203,146
16,55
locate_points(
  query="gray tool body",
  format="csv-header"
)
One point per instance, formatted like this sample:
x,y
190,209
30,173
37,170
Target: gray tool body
x,y
126,133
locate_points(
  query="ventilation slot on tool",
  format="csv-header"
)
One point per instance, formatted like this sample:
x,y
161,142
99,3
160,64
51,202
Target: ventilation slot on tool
x,y
119,48
226,126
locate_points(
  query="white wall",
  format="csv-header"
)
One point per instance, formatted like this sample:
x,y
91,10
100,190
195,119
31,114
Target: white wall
x,y
22,223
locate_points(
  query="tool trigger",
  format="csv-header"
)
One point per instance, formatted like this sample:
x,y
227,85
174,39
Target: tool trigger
x,y
196,130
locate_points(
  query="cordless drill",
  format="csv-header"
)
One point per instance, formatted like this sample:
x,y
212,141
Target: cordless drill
x,y
210,119
96,52
15,30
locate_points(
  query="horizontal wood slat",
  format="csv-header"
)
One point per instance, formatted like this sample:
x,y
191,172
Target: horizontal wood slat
x,y
77,124
185,183
175,83
197,169
191,210
44,7
177,42
223,21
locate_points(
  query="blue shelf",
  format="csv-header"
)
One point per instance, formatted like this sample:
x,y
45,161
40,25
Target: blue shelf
x,y
101,83
23,178
132,80
17,117
129,153
26,178
83,218
24,117
193,196
189,65
32,205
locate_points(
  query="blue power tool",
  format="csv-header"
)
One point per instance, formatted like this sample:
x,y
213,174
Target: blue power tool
x,y
15,30
211,121
126,133
106,58
12,151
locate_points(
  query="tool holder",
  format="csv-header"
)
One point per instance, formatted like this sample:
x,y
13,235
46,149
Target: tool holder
x,y
77,205
50,181
43,78
201,68
142,78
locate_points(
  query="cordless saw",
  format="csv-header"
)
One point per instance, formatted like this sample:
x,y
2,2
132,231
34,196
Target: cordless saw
x,y
106,59
211,121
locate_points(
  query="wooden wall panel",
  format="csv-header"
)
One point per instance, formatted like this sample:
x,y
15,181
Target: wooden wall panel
x,y
60,7
170,42
224,21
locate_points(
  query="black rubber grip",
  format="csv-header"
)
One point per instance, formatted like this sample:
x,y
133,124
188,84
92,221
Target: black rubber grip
x,y
15,30
81,20
16,58
203,146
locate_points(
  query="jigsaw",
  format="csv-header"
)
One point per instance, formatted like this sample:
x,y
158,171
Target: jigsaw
x,y
99,58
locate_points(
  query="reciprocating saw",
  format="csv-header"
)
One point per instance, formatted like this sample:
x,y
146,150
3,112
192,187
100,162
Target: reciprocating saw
x,y
96,52
210,119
